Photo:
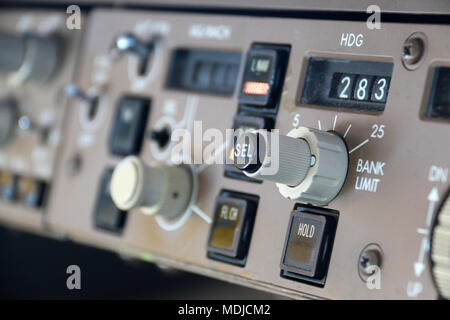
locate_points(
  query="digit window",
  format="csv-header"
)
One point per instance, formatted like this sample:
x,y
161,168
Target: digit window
x,y
347,84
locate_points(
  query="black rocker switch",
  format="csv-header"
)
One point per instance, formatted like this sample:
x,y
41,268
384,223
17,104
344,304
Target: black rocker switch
x,y
129,125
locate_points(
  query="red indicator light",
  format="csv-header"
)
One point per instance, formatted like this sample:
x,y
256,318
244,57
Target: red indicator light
x,y
256,88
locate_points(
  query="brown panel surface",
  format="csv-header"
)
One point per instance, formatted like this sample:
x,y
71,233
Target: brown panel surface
x,y
44,104
390,217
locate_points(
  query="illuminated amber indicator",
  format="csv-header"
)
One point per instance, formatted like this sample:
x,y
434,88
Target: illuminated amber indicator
x,y
231,229
256,88
304,242
263,75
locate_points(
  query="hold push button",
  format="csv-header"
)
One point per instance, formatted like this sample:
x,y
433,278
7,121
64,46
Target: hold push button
x,y
232,227
308,245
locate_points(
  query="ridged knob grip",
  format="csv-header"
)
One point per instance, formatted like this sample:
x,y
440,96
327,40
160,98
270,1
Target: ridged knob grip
x,y
272,157
440,249
307,165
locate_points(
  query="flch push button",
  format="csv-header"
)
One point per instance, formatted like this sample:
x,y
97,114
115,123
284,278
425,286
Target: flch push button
x,y
263,75
308,245
232,227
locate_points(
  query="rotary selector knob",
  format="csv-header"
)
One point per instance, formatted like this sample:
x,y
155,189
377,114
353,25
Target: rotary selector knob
x,y
30,57
307,165
440,249
162,189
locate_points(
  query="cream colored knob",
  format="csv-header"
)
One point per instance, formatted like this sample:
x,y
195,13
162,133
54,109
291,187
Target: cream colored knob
x,y
440,249
163,190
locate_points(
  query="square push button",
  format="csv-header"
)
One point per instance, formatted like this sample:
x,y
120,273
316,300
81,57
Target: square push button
x,y
8,186
107,216
263,75
308,245
129,126
32,192
439,101
232,227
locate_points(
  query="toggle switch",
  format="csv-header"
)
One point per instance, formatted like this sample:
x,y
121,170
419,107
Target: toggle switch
x,y
160,189
307,164
73,91
129,43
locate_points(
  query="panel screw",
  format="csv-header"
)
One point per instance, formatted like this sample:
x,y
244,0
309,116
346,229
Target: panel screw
x,y
370,256
413,50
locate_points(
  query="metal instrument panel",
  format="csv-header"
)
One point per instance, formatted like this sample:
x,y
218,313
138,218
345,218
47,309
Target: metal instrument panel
x,y
394,216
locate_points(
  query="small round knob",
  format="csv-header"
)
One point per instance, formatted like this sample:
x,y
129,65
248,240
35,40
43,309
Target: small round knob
x,y
440,249
308,165
164,190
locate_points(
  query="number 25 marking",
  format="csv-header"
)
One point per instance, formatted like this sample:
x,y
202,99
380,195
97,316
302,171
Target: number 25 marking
x,y
378,131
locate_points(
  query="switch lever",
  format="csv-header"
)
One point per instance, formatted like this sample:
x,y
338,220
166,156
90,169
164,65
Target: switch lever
x,y
73,91
129,43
